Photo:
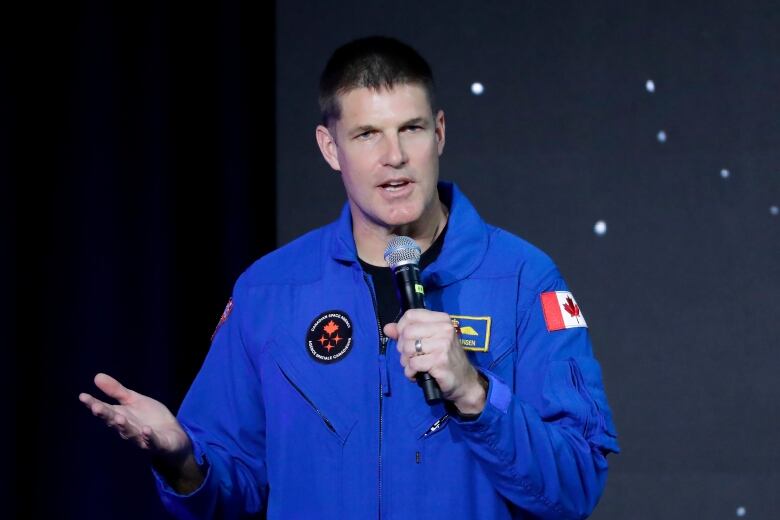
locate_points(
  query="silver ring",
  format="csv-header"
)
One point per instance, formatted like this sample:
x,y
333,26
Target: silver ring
x,y
418,346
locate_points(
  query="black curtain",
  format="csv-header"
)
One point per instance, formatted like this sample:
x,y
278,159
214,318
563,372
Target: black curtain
x,y
140,137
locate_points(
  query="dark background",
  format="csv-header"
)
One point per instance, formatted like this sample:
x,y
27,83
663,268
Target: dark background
x,y
159,148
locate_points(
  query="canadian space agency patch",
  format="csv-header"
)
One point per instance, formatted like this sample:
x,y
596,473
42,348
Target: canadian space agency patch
x,y
561,311
329,337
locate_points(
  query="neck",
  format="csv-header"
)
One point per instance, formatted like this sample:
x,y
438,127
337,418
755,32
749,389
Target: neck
x,y
372,241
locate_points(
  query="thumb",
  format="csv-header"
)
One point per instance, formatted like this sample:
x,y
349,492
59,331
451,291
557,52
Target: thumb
x,y
391,330
112,388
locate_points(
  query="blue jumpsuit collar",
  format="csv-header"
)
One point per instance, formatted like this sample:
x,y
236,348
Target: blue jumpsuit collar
x,y
465,244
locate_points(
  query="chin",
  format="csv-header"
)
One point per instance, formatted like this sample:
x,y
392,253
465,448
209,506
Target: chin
x,y
403,218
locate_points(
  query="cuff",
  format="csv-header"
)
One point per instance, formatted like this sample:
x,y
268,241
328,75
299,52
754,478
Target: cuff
x,y
166,491
497,401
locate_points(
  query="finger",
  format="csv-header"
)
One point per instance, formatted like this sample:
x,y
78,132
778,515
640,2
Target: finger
x,y
409,373
391,330
414,331
415,364
408,347
427,329
97,407
423,316
86,399
112,388
421,363
427,345
126,429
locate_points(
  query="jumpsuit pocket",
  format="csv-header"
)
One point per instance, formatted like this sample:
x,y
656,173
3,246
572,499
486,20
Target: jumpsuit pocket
x,y
318,399
424,478
447,463
429,436
339,433
573,395
435,427
587,374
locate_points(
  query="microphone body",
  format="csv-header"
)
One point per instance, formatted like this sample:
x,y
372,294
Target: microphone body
x,y
403,256
408,287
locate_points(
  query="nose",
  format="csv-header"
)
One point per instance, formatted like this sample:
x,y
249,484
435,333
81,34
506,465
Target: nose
x,y
395,156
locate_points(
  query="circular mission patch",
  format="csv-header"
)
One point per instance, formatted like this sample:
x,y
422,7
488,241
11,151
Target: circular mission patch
x,y
329,337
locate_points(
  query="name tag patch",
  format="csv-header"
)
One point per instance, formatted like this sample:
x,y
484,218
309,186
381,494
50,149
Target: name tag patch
x,y
473,332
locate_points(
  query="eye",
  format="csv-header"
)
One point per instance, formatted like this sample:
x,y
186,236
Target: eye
x,y
364,136
413,128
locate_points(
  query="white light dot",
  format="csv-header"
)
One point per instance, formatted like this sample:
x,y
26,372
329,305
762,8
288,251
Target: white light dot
x,y
741,511
600,228
661,136
650,85
724,173
774,210
477,88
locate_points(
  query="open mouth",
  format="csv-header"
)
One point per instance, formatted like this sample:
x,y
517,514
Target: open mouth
x,y
395,185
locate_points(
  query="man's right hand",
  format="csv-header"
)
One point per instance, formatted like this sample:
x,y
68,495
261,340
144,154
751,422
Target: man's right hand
x,y
151,426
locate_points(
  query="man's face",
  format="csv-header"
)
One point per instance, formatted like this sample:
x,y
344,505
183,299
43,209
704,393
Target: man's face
x,y
386,145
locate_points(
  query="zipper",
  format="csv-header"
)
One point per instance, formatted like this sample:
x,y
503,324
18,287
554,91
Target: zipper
x,y
311,403
382,351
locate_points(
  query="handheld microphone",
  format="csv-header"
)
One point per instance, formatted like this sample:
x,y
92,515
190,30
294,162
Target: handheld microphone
x,y
403,256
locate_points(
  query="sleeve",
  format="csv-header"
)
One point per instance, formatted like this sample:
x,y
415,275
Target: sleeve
x,y
544,442
224,416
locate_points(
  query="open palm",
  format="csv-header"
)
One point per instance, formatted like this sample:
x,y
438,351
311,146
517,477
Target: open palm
x,y
141,419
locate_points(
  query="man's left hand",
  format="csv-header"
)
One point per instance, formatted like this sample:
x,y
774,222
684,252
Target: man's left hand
x,y
442,356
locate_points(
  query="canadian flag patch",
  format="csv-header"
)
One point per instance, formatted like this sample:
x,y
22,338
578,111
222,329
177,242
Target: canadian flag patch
x,y
561,311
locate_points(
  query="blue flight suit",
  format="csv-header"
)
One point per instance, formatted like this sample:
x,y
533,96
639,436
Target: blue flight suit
x,y
290,435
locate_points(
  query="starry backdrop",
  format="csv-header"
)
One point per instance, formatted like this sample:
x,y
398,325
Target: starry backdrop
x,y
157,148
638,144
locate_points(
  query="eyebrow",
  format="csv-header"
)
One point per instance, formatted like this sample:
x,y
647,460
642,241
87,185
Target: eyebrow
x,y
416,121
361,129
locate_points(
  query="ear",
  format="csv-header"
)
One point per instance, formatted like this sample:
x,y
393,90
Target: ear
x,y
440,133
328,148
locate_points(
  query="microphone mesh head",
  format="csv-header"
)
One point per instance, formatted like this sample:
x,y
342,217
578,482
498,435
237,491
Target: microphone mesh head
x,y
402,250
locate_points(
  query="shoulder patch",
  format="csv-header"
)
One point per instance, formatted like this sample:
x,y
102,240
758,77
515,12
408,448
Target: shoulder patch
x,y
561,311
224,317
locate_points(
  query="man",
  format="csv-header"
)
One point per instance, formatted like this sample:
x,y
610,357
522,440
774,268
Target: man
x,y
303,409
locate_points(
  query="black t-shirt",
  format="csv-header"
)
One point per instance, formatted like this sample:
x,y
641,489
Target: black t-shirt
x,y
388,307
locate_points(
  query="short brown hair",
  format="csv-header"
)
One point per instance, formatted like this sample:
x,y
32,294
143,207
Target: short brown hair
x,y
374,62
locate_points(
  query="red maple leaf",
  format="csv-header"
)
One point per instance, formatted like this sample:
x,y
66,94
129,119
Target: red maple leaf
x,y
571,307
330,328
